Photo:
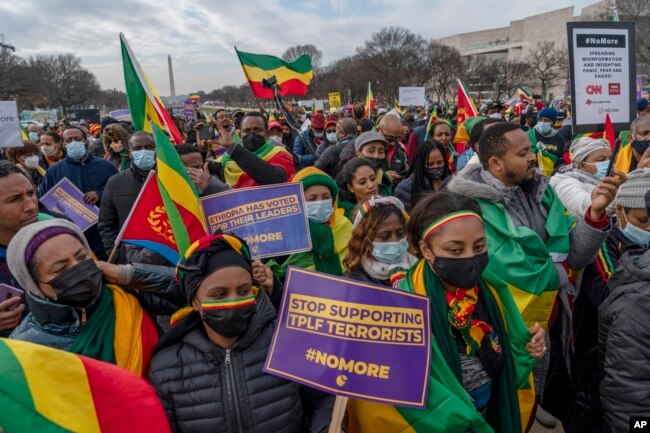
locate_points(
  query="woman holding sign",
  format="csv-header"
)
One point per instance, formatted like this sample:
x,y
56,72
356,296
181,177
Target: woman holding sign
x,y
378,250
480,378
207,370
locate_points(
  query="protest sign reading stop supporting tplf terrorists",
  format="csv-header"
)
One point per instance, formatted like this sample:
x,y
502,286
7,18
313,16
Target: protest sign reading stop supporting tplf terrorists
x,y
271,219
65,198
352,339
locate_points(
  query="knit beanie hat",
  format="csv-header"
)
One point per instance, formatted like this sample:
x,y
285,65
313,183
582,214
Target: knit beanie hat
x,y
582,147
549,113
632,193
23,246
311,176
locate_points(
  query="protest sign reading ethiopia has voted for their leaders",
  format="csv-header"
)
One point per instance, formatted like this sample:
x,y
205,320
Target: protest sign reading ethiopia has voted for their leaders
x,y
353,339
67,199
271,219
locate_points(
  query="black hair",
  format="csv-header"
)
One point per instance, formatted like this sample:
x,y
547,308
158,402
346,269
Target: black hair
x,y
219,110
477,130
344,178
186,149
433,206
77,128
419,168
257,114
8,167
140,134
493,141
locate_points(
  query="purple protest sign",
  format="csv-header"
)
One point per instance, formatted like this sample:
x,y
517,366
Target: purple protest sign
x,y
352,339
67,199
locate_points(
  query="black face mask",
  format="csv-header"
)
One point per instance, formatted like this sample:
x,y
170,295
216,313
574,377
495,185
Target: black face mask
x,y
463,273
641,146
228,322
253,141
79,285
358,113
286,135
379,163
435,173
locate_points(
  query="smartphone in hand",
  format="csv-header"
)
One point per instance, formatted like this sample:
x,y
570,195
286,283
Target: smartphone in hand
x,y
206,132
8,292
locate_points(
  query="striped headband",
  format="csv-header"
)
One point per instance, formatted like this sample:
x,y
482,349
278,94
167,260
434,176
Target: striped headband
x,y
426,234
228,304
378,200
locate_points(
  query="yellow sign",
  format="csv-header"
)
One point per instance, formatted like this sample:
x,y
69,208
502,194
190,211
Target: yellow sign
x,y
335,99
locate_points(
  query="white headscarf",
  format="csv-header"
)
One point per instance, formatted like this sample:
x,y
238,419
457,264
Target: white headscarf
x,y
582,147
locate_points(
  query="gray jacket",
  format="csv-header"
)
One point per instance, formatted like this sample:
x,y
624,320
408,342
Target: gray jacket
x,y
528,210
623,337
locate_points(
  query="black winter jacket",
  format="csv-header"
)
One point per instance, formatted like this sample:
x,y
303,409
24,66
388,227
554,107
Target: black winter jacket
x,y
623,337
204,388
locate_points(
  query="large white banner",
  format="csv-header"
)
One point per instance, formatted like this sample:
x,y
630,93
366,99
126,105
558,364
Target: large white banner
x,y
603,70
10,125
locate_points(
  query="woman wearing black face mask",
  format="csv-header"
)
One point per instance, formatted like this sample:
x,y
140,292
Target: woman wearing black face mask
x,y
428,172
70,306
207,370
472,352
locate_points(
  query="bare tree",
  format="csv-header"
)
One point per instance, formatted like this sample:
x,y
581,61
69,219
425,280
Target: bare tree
x,y
548,63
294,53
507,74
443,67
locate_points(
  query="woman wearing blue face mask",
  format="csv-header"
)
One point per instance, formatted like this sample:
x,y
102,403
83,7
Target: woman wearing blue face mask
x,y
330,232
631,234
427,173
378,249
575,183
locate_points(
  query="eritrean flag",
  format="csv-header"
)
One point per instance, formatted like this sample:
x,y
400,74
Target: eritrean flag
x,y
148,225
144,103
179,195
293,78
466,109
47,390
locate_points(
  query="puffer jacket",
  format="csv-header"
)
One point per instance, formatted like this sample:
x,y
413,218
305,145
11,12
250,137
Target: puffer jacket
x,y
623,337
205,388
573,187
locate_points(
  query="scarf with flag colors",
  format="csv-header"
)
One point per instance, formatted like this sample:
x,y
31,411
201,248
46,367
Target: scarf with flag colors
x,y
119,331
370,101
466,110
144,103
545,159
47,390
179,195
148,225
238,178
293,78
449,407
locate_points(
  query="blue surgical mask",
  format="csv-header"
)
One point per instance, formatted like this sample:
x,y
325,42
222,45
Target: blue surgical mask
x,y
601,169
543,127
33,136
319,211
331,137
636,234
390,252
76,150
144,159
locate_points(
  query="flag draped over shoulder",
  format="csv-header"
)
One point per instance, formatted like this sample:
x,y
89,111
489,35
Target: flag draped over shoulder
x,y
293,78
466,109
179,195
275,155
148,225
545,159
47,390
449,408
144,103
370,101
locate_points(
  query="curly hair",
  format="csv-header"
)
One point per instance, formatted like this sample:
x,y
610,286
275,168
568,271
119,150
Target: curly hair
x,y
360,244
29,148
115,132
433,206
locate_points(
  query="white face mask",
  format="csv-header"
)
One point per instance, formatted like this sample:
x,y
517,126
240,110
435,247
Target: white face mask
x,y
31,162
495,116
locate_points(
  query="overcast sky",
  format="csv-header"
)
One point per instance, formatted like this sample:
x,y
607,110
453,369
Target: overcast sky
x,y
200,34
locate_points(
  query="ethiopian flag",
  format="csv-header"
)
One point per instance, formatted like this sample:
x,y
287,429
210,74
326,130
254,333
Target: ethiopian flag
x,y
179,195
47,390
370,101
144,103
293,78
148,225
523,94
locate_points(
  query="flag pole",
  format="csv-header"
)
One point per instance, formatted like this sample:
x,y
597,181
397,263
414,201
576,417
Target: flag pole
x,y
248,80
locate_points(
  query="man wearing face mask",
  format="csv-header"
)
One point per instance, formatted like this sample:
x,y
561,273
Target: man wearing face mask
x,y
628,240
630,156
547,141
256,161
301,117
307,143
34,132
70,307
390,127
86,172
120,194
359,114
509,185
494,110
346,134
